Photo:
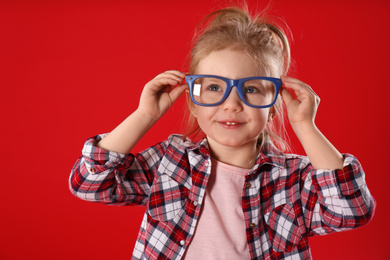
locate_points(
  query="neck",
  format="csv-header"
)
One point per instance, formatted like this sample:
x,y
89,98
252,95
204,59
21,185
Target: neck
x,y
243,156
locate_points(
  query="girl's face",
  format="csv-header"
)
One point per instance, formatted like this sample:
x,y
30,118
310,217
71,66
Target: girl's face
x,y
231,124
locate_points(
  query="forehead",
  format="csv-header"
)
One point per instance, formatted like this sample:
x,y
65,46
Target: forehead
x,y
228,63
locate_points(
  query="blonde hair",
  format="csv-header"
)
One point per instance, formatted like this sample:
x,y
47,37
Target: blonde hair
x,y
262,39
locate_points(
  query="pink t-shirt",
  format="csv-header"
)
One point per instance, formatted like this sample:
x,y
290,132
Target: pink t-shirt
x,y
220,232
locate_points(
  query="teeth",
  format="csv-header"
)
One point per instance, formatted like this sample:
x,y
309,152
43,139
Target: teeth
x,y
231,123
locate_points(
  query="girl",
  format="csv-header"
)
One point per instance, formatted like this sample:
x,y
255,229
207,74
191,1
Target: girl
x,y
233,194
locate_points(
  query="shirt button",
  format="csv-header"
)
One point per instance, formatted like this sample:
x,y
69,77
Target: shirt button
x,y
248,185
196,203
92,170
183,242
253,225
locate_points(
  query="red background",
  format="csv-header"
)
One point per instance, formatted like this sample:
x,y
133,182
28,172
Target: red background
x,y
73,69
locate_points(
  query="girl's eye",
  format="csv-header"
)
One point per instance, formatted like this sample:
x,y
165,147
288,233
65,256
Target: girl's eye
x,y
214,87
250,90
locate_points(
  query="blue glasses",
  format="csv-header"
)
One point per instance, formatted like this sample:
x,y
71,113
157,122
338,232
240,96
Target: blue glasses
x,y
210,90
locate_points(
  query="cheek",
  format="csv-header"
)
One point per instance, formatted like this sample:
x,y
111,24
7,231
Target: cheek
x,y
260,115
202,114
260,120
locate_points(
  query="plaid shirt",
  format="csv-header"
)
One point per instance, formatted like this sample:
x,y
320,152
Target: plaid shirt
x,y
284,199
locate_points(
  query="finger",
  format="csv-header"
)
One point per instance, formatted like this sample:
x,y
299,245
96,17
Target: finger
x,y
172,74
294,85
303,92
167,76
176,72
172,80
286,96
297,85
163,83
291,80
299,91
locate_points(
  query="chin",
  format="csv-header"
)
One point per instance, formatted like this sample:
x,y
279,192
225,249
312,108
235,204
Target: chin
x,y
230,142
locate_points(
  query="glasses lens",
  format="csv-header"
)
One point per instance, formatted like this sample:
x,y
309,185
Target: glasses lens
x,y
259,92
208,90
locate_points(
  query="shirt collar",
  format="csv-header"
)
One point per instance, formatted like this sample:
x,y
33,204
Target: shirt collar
x,y
202,146
269,154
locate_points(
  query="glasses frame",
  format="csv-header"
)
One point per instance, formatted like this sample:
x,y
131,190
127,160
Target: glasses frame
x,y
230,83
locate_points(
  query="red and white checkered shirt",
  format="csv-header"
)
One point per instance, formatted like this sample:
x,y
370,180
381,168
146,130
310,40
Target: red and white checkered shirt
x,y
284,199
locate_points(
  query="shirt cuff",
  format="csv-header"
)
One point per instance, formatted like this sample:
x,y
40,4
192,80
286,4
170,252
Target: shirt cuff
x,y
98,160
340,182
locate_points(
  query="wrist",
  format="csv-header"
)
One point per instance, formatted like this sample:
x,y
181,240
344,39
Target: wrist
x,y
304,127
145,117
322,154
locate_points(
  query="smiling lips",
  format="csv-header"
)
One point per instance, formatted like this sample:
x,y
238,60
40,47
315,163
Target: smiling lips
x,y
229,124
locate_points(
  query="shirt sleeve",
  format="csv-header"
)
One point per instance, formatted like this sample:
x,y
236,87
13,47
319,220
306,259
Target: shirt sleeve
x,y
114,178
337,200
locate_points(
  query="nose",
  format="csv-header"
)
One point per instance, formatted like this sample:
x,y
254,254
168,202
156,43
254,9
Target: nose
x,y
233,102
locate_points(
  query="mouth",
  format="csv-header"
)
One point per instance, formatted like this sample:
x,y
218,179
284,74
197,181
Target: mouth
x,y
229,124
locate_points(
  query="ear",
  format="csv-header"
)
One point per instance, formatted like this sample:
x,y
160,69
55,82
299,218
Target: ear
x,y
271,114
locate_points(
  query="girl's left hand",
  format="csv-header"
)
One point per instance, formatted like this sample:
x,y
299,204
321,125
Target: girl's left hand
x,y
302,109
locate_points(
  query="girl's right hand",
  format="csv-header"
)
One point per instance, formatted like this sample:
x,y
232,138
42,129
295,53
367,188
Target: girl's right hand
x,y
160,93
157,97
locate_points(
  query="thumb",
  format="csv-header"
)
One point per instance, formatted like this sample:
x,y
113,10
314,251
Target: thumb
x,y
177,92
286,96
